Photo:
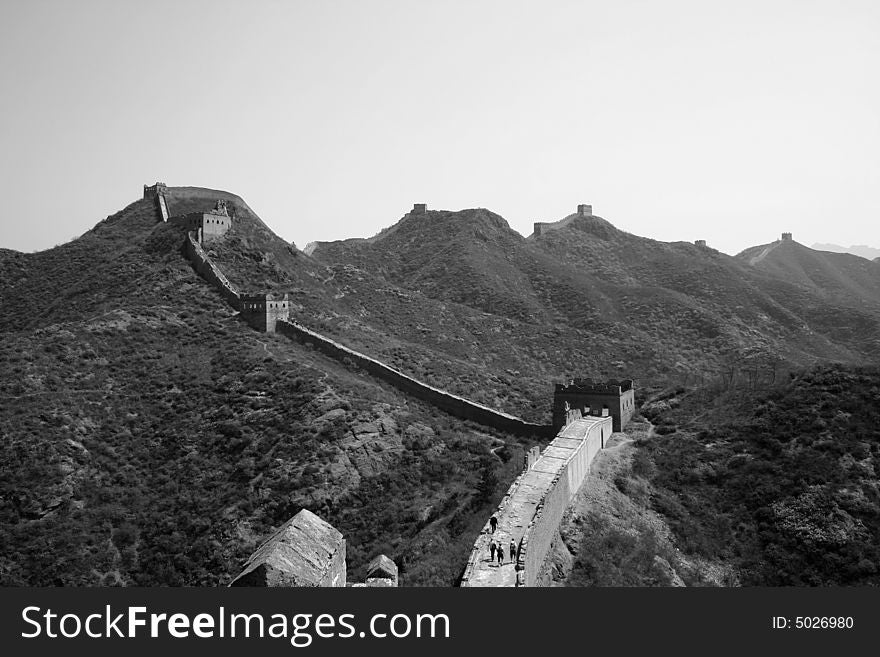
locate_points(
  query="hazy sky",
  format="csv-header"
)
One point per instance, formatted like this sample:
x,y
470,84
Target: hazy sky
x,y
679,120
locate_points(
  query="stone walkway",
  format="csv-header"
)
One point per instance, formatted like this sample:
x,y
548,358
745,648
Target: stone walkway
x,y
519,509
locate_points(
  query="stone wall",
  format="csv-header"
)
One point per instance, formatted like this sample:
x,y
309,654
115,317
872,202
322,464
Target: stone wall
x,y
262,311
214,226
450,403
206,268
446,401
546,489
163,207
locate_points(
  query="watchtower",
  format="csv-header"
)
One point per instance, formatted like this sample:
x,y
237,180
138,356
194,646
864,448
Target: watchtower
x,y
700,243
210,225
262,311
585,210
152,191
786,237
614,398
419,208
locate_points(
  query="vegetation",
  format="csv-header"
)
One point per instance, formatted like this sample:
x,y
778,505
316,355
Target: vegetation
x,y
780,483
147,436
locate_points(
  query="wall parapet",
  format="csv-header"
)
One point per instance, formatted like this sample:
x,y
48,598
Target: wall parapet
x,y
537,498
453,404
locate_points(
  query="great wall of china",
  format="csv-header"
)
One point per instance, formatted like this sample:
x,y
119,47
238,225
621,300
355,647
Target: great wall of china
x,y
584,416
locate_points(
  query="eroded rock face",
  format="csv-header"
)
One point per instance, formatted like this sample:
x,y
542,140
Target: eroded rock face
x,y
372,445
369,443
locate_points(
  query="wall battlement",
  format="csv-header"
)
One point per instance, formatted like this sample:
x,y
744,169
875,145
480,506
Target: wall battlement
x,y
530,512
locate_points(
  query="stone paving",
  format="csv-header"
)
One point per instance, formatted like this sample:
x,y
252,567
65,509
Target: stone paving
x,y
519,507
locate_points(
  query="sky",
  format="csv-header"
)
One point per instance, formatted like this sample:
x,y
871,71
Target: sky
x,y
677,120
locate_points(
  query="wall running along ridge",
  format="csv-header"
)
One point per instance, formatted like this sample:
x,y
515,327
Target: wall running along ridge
x,y
453,404
533,507
446,401
206,268
163,206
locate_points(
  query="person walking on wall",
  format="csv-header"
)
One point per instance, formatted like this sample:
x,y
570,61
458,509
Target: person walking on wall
x,y
500,553
494,522
492,551
512,550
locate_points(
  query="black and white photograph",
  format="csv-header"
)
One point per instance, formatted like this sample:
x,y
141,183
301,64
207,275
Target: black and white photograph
x,y
395,294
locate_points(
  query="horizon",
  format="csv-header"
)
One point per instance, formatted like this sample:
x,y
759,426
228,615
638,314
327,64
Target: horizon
x,y
730,124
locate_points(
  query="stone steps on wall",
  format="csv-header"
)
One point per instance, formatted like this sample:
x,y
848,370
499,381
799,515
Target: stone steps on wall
x,y
163,207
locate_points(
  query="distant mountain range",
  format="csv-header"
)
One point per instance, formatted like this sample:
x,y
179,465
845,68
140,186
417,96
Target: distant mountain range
x,y
861,250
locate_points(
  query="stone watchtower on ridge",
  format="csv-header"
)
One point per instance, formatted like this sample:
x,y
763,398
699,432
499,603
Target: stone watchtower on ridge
x,y
262,311
614,398
158,192
210,225
786,237
152,191
541,227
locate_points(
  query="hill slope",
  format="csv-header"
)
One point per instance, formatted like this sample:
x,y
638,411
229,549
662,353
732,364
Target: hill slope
x,y
606,301
779,484
149,436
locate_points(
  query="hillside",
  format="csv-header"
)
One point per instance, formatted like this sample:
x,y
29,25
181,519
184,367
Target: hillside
x,y
149,436
839,278
604,301
779,484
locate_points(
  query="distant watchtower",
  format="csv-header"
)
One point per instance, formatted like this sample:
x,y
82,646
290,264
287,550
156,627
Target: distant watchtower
x,y
419,208
614,398
585,210
210,225
158,192
786,237
700,243
152,191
